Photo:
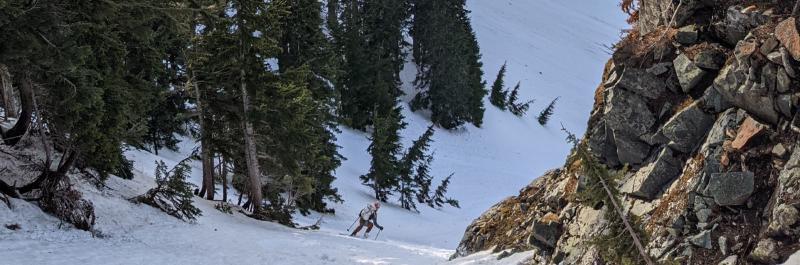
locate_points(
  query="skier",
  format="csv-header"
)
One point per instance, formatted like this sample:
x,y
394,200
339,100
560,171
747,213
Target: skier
x,y
369,217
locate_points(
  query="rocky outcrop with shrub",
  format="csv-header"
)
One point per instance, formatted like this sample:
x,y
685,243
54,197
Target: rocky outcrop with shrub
x,y
695,128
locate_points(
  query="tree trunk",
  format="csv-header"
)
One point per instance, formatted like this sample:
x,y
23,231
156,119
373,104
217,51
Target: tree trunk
x,y
250,151
49,178
631,232
7,93
15,134
224,177
208,173
253,172
9,190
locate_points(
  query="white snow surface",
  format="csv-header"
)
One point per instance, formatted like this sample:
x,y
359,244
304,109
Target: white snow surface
x,y
565,40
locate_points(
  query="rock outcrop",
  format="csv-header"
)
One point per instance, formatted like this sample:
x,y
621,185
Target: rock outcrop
x,y
697,114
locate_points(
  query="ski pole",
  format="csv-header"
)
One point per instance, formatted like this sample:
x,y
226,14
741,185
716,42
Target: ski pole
x,y
351,226
379,233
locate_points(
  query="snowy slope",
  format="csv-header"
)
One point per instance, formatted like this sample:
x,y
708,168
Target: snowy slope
x,y
562,39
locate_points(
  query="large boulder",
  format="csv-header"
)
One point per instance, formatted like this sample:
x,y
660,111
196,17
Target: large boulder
x,y
710,59
630,150
687,128
689,75
737,23
687,35
547,230
731,85
650,179
628,113
712,101
730,189
642,82
602,144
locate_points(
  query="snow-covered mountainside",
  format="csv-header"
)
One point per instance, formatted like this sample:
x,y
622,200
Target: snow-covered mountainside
x,y
556,48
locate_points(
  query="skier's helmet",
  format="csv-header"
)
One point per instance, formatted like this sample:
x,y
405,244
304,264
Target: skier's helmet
x,y
377,204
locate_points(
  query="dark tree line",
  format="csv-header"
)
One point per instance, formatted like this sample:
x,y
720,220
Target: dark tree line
x,y
261,85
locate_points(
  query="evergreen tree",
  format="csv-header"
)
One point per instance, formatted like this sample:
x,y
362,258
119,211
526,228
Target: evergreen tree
x,y
413,170
172,194
309,57
544,116
166,121
515,107
439,198
385,148
371,38
95,76
499,95
447,54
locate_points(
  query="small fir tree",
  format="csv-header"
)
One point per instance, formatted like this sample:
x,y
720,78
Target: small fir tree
x,y
439,198
172,194
499,95
414,168
515,107
544,116
385,148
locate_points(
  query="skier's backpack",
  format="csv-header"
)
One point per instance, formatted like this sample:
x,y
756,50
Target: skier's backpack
x,y
367,212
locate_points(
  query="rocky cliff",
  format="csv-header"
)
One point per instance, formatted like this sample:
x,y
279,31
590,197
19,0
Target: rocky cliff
x,y
697,116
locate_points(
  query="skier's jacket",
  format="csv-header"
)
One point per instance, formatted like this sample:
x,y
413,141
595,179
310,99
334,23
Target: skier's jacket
x,y
369,213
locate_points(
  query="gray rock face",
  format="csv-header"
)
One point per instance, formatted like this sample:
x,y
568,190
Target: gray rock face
x,y
687,128
738,24
703,215
783,81
630,150
785,103
628,112
732,188
702,240
546,233
602,144
716,136
710,59
713,102
651,179
731,85
689,75
769,76
641,82
687,35
659,68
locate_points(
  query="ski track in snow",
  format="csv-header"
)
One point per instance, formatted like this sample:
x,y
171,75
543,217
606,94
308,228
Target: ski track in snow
x,y
562,39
